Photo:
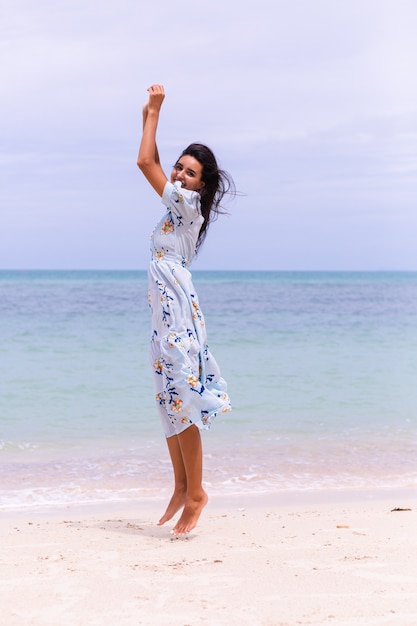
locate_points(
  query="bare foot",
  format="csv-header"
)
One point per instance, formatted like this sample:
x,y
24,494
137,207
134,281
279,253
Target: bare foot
x,y
175,504
190,514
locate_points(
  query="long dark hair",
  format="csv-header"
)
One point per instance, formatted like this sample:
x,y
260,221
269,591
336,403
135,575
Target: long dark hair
x,y
217,183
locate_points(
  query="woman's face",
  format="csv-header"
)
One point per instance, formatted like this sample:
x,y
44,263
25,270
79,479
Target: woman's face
x,y
188,171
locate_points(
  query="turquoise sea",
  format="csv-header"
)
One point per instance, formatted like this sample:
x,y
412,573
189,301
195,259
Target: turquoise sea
x,y
321,368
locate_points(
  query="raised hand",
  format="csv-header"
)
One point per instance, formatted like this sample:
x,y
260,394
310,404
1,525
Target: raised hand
x,y
156,97
148,157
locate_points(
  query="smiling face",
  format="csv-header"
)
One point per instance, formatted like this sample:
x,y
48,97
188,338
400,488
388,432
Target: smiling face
x,y
188,171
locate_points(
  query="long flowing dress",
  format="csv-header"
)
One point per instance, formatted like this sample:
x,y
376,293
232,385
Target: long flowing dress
x,y
189,387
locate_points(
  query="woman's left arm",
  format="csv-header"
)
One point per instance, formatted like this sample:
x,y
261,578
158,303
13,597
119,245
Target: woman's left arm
x,y
148,157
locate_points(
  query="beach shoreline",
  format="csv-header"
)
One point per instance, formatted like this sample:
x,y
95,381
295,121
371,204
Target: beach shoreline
x,y
277,499
303,557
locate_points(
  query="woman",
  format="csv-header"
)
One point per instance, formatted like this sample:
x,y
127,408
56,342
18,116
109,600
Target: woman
x,y
190,389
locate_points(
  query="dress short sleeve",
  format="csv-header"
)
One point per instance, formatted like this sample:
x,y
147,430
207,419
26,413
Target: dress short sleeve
x,y
183,202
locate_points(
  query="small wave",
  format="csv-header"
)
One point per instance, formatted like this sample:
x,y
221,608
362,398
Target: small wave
x,y
83,491
17,445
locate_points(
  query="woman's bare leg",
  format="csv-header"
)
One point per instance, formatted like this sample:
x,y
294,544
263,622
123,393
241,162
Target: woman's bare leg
x,y
180,480
195,497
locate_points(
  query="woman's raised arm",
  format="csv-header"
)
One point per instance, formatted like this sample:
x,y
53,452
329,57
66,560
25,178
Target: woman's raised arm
x,y
148,157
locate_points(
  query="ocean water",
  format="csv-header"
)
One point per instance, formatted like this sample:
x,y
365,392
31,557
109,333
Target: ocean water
x,y
321,368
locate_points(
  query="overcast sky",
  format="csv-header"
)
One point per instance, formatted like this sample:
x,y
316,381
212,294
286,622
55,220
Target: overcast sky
x,y
310,104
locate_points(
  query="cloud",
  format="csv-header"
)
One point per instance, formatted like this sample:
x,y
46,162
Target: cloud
x,y
311,106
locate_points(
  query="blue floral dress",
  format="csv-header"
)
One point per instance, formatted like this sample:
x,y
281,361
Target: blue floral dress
x,y
189,387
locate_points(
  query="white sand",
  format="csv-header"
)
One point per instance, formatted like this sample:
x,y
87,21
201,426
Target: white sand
x,y
291,559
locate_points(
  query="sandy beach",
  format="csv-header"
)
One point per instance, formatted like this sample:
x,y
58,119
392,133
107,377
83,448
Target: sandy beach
x,y
284,559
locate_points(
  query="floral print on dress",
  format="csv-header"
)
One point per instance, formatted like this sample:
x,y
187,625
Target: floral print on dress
x,y
175,338
177,405
167,227
188,384
192,380
197,314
